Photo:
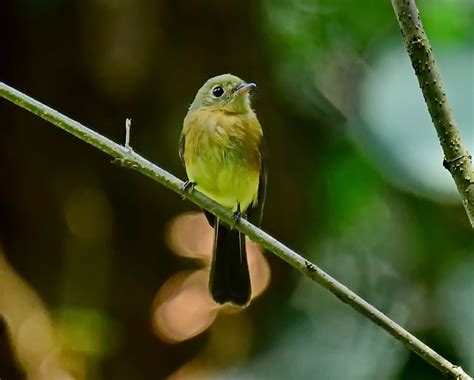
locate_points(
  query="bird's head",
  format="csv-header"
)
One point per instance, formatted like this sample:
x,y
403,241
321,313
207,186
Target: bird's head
x,y
226,92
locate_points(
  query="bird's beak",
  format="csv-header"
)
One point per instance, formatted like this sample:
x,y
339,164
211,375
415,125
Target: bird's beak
x,y
245,88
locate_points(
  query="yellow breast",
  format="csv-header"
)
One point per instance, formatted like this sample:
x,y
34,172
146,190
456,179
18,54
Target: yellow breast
x,y
222,155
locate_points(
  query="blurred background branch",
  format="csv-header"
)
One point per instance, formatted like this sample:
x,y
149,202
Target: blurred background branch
x,y
126,156
456,157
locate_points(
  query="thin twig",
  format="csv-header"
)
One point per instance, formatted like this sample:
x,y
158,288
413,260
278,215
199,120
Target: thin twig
x,y
128,125
138,163
456,158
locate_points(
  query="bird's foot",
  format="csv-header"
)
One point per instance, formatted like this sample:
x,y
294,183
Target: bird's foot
x,y
188,186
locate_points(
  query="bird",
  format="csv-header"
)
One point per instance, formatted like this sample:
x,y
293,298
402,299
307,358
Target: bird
x,y
222,149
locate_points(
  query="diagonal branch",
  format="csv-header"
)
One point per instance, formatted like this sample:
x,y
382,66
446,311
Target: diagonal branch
x,y
456,158
136,162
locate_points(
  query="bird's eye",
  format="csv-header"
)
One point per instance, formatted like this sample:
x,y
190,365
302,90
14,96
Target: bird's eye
x,y
218,91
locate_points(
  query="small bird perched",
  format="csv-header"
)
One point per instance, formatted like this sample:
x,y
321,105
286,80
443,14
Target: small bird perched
x,y
221,147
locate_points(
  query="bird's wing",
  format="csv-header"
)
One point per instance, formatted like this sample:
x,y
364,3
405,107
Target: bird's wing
x,y
255,213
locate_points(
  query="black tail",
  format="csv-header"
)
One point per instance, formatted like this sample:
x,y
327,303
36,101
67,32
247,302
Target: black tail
x,y
230,279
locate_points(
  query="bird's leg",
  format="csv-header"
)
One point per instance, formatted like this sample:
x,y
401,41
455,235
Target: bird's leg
x,y
237,216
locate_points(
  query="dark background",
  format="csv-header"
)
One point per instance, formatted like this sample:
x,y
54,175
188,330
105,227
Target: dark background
x,y
355,184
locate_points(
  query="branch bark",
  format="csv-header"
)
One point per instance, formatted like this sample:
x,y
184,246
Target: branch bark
x,y
456,158
129,158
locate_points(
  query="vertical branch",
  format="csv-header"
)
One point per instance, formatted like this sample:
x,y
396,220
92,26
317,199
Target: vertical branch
x,y
456,158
